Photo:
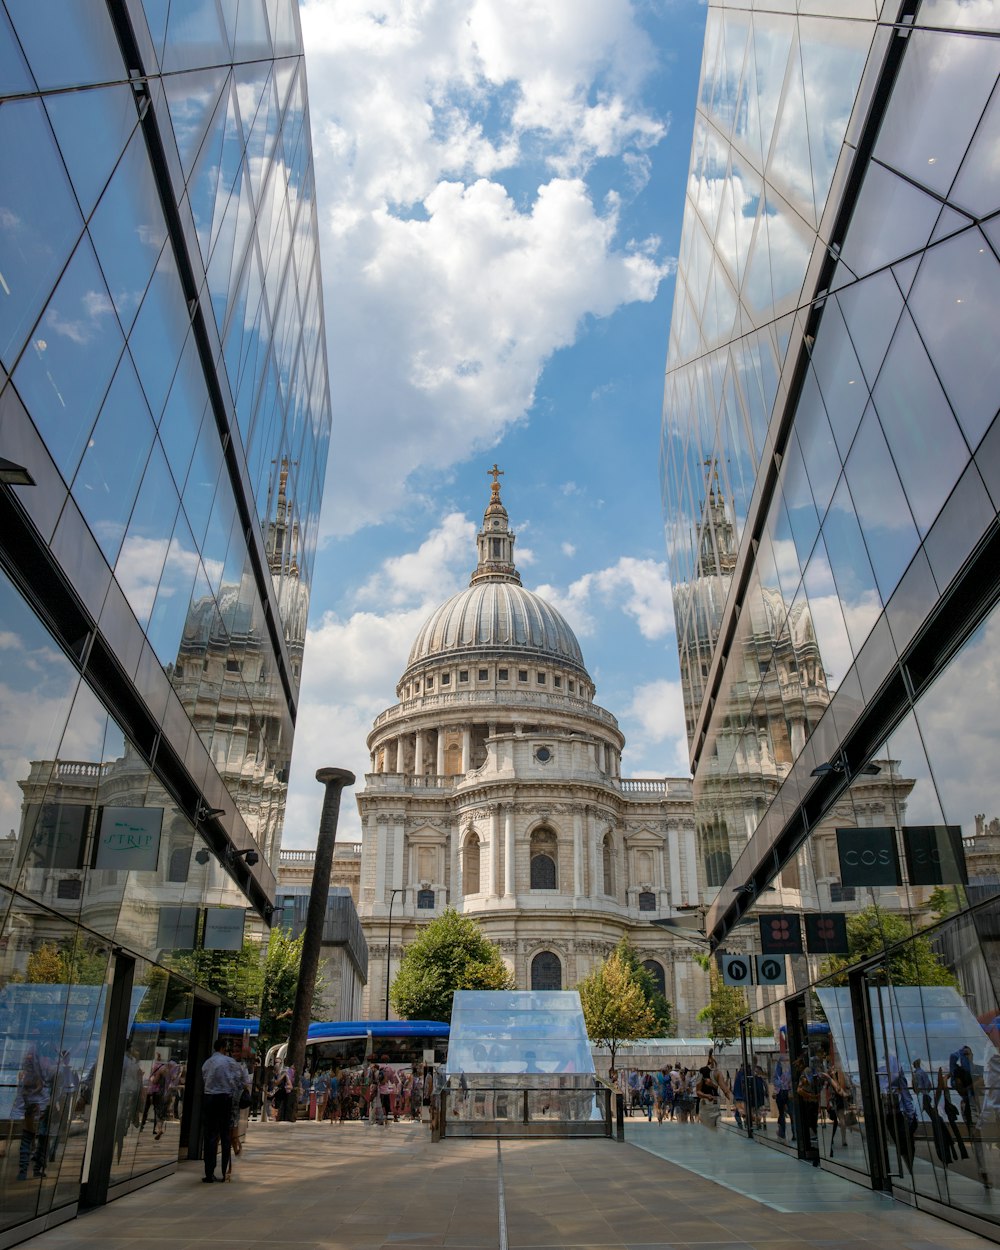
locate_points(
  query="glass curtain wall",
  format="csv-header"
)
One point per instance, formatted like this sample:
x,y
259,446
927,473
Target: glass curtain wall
x,y
831,478
163,384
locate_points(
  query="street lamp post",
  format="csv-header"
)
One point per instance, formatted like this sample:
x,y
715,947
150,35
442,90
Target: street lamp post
x,y
388,949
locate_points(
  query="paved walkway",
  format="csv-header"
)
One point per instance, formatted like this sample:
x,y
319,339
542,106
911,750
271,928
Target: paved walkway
x,y
321,1187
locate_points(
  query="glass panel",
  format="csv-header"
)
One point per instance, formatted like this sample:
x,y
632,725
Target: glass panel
x,y
80,47
871,310
39,220
886,521
891,219
962,276
185,408
159,332
789,168
63,376
145,547
107,481
92,128
166,625
192,100
852,570
926,444
195,36
52,998
977,187
14,76
128,230
937,101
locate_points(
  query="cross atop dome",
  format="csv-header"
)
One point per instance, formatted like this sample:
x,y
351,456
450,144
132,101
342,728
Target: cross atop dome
x,y
495,540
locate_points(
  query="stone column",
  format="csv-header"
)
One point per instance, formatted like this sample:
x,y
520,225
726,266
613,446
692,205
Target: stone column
x,y
591,852
399,754
466,747
381,855
508,852
457,884
494,889
674,852
602,757
578,855
440,753
418,753
691,855
399,840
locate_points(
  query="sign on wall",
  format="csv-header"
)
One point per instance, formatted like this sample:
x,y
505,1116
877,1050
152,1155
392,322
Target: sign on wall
x,y
736,970
934,855
55,833
177,928
224,928
128,838
826,934
770,970
868,856
781,933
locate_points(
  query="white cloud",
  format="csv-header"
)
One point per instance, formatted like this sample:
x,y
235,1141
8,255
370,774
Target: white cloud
x,y
434,566
640,588
654,728
445,297
568,549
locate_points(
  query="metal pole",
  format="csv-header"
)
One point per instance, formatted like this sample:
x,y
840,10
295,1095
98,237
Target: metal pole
x,y
388,950
334,779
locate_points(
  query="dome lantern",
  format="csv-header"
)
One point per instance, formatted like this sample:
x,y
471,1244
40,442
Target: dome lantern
x,y
495,540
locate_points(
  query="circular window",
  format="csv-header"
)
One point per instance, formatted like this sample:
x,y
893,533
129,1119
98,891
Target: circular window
x,y
543,755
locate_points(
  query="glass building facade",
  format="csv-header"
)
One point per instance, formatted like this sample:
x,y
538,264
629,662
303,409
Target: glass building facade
x,y
831,477
164,429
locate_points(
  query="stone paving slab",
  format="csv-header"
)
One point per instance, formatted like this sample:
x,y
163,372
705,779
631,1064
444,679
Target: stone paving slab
x,y
324,1187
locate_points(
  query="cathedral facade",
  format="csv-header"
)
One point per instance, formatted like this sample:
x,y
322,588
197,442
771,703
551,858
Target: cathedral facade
x,y
496,788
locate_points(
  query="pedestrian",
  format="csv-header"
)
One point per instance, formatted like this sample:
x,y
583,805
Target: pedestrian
x,y
223,1081
708,1098
662,1093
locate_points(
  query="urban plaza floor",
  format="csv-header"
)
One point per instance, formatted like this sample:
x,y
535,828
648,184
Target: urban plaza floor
x,y
324,1187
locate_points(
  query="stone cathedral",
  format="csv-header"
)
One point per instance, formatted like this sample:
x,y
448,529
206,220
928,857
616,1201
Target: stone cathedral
x,y
496,788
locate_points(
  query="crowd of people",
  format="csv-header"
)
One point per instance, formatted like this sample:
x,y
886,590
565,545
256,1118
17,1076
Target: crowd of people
x,y
377,1092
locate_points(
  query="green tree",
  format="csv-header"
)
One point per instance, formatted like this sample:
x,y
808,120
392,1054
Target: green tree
x,y
663,1012
259,979
870,932
727,1006
614,1004
79,965
451,953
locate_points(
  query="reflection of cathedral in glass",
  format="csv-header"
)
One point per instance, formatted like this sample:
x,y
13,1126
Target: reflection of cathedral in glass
x,y
830,456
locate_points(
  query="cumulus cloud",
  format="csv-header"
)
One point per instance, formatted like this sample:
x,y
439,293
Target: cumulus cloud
x,y
640,588
435,563
654,726
445,295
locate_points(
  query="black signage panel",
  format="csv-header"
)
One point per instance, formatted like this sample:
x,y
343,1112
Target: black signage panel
x,y
934,855
868,856
177,928
826,934
781,934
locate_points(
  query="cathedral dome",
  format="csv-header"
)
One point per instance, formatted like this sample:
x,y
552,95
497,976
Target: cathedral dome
x,y
495,613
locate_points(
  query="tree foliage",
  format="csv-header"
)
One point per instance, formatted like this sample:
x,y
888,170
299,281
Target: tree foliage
x,y
451,953
870,932
261,980
727,1006
51,965
663,1012
614,1004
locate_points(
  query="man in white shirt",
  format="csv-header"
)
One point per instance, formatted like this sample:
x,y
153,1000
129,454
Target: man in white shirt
x,y
223,1079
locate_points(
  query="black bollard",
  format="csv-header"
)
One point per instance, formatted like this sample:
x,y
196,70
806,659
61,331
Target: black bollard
x,y
334,779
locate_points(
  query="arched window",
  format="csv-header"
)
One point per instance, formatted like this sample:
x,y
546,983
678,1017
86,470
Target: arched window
x,y
544,860
470,863
655,970
546,972
608,864
715,848
180,859
647,900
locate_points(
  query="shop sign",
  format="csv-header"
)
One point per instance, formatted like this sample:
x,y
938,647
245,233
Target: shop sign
x,y
934,855
771,970
826,934
224,928
128,838
736,970
868,856
781,933
55,834
177,928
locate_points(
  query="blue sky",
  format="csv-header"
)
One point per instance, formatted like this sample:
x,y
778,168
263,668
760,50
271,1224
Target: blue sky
x,y
500,187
